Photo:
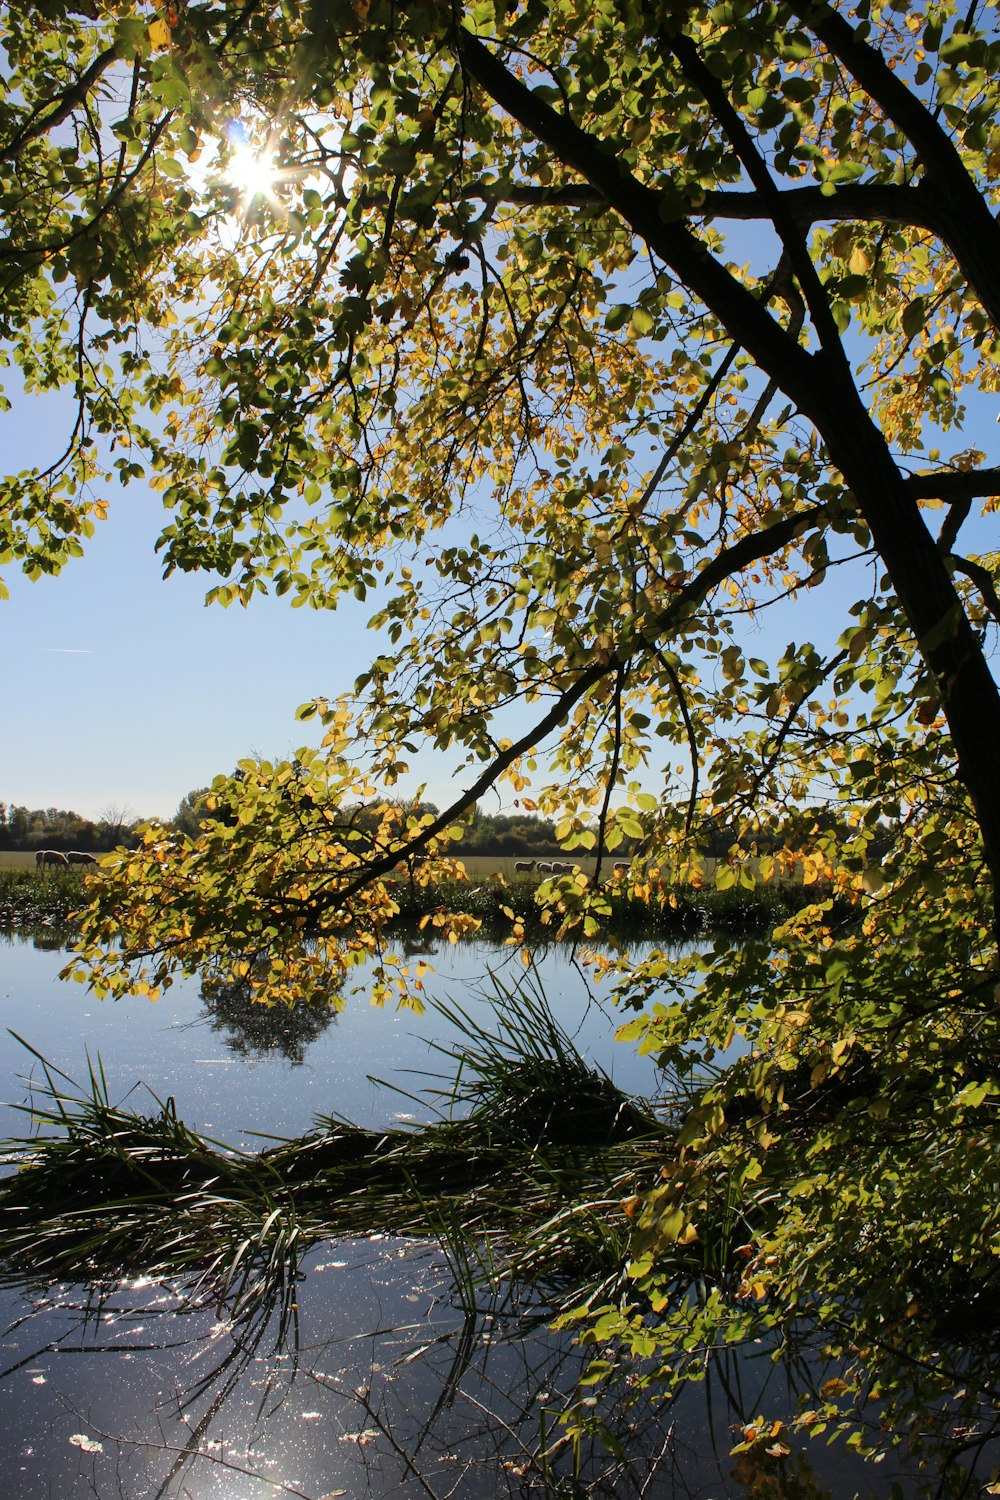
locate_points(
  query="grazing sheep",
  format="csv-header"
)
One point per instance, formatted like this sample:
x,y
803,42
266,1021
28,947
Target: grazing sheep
x,y
543,867
523,866
75,857
49,857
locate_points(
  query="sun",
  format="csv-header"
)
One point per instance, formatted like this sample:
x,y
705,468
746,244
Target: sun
x,y
253,173
251,169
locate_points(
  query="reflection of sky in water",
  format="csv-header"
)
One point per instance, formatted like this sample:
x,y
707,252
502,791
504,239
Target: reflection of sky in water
x,y
382,1390
171,1045
376,1386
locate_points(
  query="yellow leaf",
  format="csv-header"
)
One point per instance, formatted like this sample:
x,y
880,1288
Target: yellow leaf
x,y
159,35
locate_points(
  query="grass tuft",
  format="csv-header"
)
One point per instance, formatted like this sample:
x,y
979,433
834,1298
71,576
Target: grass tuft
x,y
520,1176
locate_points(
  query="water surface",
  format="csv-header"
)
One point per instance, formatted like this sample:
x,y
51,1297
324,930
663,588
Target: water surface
x,y
368,1378
234,1085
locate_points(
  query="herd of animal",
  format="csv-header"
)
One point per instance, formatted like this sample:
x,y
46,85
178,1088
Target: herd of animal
x,y
521,866
556,867
542,867
56,857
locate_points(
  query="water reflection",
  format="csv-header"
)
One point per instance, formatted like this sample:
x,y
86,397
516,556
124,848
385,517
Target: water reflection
x,y
252,1030
45,936
366,1379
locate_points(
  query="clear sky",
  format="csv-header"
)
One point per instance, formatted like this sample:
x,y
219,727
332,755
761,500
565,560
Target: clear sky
x,y
122,688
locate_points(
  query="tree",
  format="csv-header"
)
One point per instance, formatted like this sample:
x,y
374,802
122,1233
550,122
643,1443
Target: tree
x,y
115,824
187,818
580,336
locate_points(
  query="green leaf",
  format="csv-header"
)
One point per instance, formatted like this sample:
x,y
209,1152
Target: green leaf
x,y
642,322
914,316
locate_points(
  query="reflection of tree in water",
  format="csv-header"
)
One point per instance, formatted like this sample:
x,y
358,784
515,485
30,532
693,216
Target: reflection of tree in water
x,y
46,936
252,1029
362,1375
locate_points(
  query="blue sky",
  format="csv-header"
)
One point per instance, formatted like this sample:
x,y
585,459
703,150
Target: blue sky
x,y
122,689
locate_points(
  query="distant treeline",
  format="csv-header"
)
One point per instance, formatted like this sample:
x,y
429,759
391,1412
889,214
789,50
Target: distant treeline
x,y
57,828
489,833
492,834
502,835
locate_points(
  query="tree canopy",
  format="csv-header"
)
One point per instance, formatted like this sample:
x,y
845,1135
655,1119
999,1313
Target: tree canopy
x,y
583,338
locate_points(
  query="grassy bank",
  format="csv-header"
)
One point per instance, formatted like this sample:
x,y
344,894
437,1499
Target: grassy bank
x,y
29,896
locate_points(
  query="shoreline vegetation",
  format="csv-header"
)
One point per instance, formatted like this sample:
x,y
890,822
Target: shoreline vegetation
x,y
527,1126
529,1178
29,897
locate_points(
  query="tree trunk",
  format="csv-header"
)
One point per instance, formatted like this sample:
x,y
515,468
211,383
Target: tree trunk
x,y
822,387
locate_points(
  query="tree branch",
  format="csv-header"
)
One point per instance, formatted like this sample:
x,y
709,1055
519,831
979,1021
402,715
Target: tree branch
x,y
821,386
602,821
653,215
874,203
800,262
687,427
953,485
69,101
866,203
953,522
983,580
733,559
966,223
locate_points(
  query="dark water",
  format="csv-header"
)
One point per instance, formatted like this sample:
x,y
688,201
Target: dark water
x,y
367,1379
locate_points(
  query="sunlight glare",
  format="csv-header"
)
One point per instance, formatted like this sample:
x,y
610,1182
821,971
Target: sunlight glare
x,y
253,173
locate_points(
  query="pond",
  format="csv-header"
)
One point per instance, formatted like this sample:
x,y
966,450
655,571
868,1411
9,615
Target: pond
x,y
236,1073
369,1375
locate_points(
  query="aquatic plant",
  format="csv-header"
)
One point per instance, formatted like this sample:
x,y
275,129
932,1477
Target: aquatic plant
x,y
530,1153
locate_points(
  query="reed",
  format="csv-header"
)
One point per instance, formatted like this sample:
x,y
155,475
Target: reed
x,y
518,1178
29,896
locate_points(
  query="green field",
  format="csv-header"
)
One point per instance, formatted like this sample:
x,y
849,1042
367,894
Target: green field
x,y
17,859
479,866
